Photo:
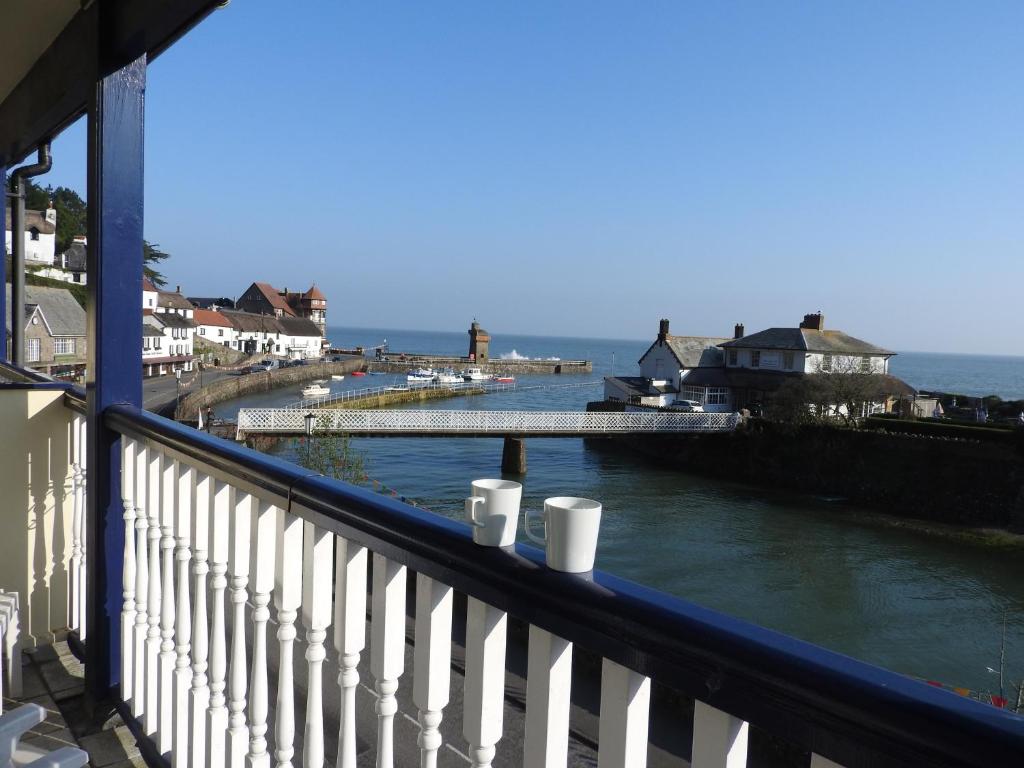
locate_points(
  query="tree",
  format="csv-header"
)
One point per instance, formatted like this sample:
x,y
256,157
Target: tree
x,y
330,455
70,208
151,256
842,392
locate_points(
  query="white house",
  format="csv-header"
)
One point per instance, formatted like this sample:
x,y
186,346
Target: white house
x,y
150,293
215,328
40,235
301,339
172,315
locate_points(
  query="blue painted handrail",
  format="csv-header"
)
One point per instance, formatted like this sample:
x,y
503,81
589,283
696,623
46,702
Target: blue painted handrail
x,y
836,706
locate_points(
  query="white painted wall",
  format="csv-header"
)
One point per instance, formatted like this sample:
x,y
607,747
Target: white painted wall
x,y
217,334
660,363
802,362
39,251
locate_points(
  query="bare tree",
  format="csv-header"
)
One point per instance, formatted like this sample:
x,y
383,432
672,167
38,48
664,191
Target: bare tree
x,y
841,391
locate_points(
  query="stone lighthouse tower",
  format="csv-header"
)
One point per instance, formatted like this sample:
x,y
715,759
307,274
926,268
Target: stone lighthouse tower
x,y
479,340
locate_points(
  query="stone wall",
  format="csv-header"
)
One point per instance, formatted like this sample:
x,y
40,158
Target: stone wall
x,y
237,386
515,367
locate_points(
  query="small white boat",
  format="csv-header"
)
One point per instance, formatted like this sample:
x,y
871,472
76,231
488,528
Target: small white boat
x,y
316,389
447,376
337,377
474,374
420,376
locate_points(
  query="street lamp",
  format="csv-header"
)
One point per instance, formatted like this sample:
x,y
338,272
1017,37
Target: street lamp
x,y
177,390
309,418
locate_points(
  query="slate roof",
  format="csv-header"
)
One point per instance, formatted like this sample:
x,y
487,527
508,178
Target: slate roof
x,y
173,320
638,385
248,322
806,340
298,326
209,317
172,300
35,219
208,302
64,316
692,351
74,257
151,330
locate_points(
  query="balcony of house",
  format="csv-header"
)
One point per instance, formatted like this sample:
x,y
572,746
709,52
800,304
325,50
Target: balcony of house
x,y
262,613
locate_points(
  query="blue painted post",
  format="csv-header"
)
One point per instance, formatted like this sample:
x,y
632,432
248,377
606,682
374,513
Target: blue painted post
x,y
115,146
3,261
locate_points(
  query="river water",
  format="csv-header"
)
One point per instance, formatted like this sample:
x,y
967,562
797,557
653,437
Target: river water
x,y
916,601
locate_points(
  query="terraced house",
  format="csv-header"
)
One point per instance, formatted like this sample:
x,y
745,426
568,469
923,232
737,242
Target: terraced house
x,y
55,339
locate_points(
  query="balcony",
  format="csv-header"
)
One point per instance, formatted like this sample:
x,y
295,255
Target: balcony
x,y
266,614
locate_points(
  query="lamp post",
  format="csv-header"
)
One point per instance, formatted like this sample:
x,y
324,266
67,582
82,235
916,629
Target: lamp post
x,y
309,418
177,390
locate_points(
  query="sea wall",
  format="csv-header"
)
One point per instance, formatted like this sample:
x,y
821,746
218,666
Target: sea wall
x,y
237,386
959,482
385,399
515,367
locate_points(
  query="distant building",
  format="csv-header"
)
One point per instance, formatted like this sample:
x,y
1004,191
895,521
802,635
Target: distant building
x,y
265,299
479,343
55,341
172,315
40,235
211,302
292,337
214,327
73,261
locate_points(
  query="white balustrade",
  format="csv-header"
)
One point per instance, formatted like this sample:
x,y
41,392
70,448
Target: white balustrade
x,y
76,594
199,696
217,711
168,493
432,662
152,649
287,599
548,685
349,638
184,499
83,545
387,649
261,570
317,586
238,566
625,704
719,739
128,574
484,702
141,579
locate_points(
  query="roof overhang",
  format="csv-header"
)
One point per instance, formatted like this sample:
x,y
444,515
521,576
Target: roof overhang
x,y
53,53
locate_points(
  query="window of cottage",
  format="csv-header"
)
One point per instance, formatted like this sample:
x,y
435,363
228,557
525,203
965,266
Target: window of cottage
x,y
865,364
718,396
31,350
787,360
694,393
63,346
733,357
755,359
826,363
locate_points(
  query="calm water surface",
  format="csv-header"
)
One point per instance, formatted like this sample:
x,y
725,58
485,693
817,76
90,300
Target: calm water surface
x,y
813,567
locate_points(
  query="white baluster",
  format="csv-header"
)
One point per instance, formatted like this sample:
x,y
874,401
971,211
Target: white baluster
x,y
625,704
128,574
387,649
317,570
241,528
83,547
432,662
217,711
261,569
183,619
817,761
483,707
548,686
199,696
76,609
349,638
153,499
719,739
287,598
141,578
168,491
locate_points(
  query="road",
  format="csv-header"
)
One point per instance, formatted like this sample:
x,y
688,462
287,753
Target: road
x,y
159,392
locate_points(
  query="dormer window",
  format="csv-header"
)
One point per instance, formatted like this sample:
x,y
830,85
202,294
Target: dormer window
x,y
33,233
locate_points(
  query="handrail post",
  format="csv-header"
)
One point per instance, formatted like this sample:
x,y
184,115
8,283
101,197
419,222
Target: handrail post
x,y
115,206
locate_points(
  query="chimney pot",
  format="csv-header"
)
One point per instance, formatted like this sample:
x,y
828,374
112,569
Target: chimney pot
x,y
177,289
663,330
814,322
737,332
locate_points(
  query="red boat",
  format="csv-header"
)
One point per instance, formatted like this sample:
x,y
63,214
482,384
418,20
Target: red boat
x,y
358,373
506,379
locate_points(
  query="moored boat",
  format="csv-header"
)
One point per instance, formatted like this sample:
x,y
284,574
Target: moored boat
x,y
316,389
337,377
447,376
358,373
504,378
474,374
420,376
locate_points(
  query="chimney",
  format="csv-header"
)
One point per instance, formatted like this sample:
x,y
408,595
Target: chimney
x,y
663,330
51,213
737,332
815,322
177,289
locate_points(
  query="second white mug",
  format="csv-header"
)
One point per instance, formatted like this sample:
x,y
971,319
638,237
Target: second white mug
x,y
571,525
493,511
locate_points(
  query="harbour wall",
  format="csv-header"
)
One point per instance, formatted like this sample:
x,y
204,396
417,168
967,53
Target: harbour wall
x,y
413,395
514,367
952,481
237,386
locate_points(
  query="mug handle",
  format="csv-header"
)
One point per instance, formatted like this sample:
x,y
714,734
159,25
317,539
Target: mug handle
x,y
542,540
471,505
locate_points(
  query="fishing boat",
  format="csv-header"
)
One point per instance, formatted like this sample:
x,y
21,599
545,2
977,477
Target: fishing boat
x,y
474,374
504,378
447,376
420,376
316,389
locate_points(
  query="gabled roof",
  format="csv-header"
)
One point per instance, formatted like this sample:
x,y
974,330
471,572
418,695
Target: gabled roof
x,y
209,317
62,314
173,320
150,330
33,219
298,326
172,300
806,340
273,297
74,257
691,351
251,322
147,285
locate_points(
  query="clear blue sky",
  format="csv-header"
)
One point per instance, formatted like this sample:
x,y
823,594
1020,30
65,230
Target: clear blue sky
x,y
585,168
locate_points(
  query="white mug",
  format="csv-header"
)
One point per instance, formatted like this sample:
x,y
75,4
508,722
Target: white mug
x,y
493,511
571,525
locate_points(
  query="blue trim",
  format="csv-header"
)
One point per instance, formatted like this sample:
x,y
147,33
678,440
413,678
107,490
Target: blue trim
x,y
114,372
844,709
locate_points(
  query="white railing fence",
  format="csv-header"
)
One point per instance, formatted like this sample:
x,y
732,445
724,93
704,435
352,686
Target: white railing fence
x,y
502,422
77,585
205,701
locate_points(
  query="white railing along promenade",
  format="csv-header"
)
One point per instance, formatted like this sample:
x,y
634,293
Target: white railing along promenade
x,y
292,421
473,387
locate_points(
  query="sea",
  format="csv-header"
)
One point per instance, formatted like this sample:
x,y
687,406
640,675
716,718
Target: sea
x,y
921,600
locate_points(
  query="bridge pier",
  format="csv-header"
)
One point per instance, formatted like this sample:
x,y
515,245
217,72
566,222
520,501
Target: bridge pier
x,y
513,456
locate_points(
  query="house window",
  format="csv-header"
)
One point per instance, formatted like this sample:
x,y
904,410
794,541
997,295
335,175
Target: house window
x,y
63,346
31,350
826,363
694,393
787,361
202,331
733,357
220,331
755,359
718,396
865,364
33,233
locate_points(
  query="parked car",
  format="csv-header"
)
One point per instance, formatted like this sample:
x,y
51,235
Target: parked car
x,y
688,406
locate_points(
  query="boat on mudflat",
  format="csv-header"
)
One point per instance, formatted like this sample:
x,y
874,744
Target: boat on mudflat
x,y
337,377
316,389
